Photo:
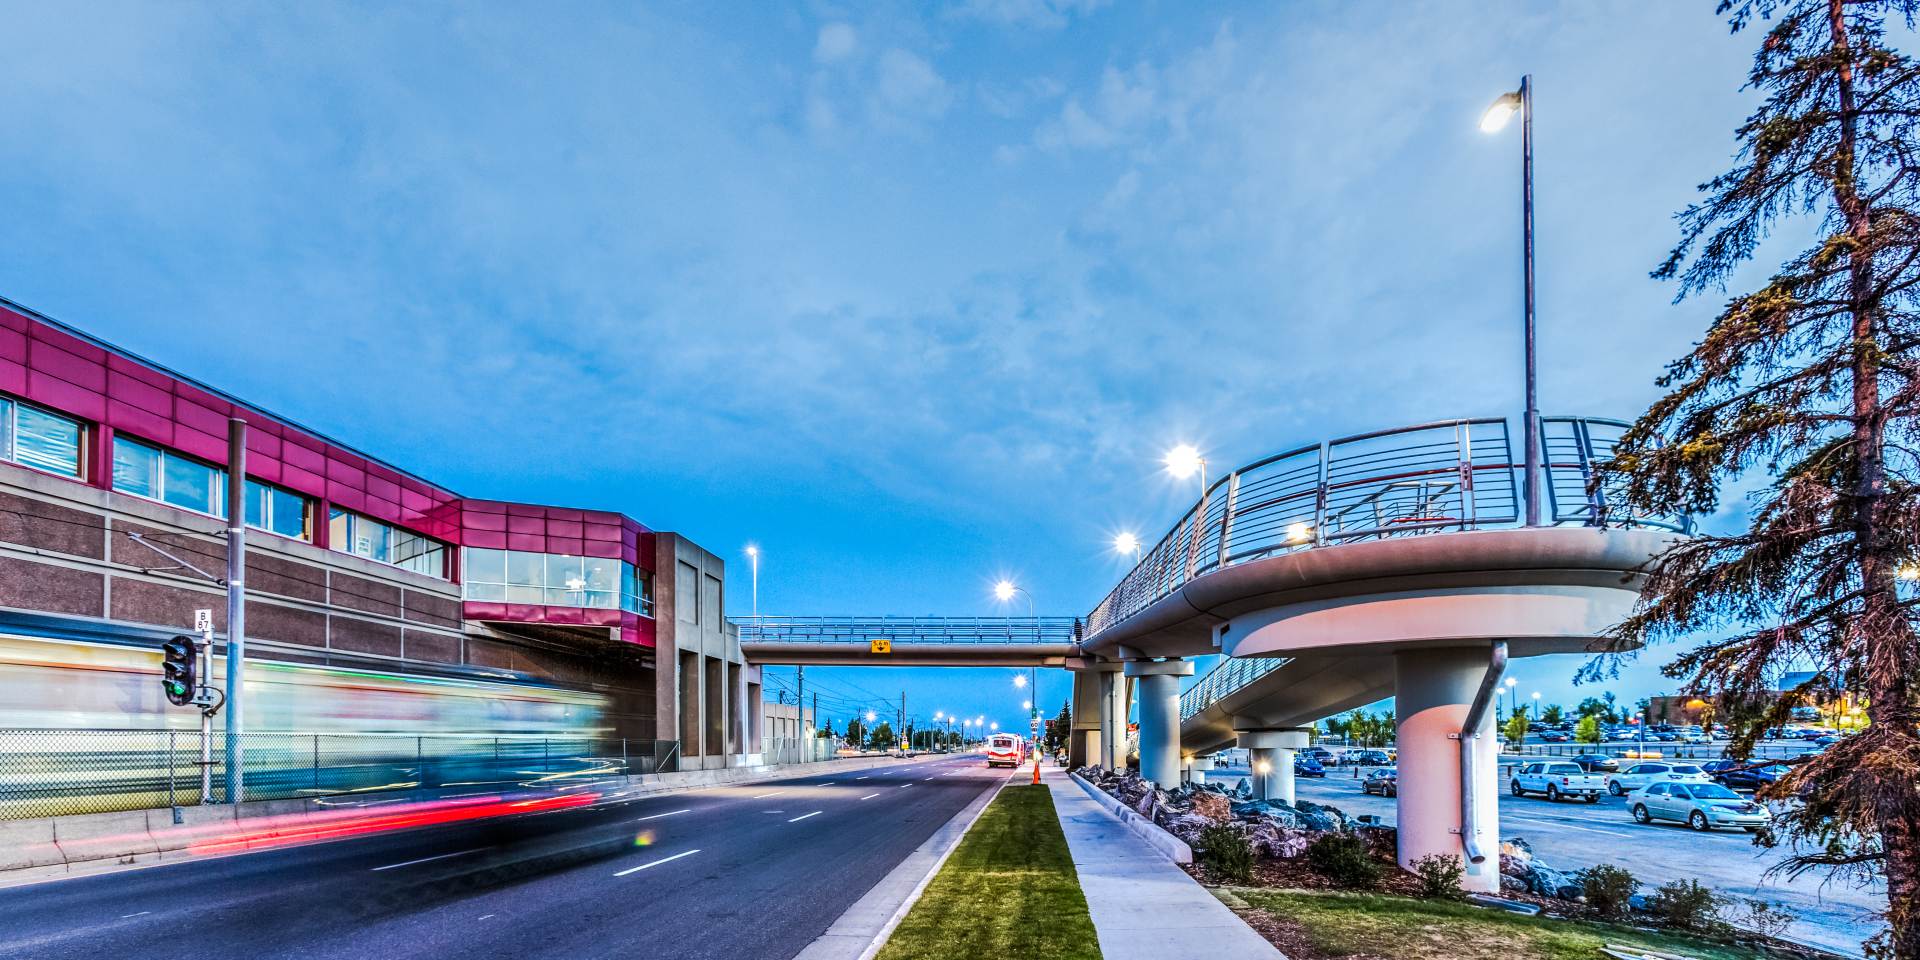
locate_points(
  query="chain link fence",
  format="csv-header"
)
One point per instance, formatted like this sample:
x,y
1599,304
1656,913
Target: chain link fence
x,y
55,772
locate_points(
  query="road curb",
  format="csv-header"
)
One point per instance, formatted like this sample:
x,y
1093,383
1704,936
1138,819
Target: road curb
x,y
853,936
1163,843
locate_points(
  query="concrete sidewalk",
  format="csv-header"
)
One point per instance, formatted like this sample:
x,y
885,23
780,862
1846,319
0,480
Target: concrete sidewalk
x,y
1143,906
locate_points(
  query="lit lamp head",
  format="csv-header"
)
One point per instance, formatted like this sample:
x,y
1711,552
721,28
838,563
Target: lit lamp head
x,y
1004,590
1020,680
1299,532
753,551
1499,112
1184,461
1126,543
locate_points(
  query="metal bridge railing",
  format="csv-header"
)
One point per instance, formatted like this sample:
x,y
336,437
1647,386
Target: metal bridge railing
x,y
772,629
1437,477
1228,675
54,772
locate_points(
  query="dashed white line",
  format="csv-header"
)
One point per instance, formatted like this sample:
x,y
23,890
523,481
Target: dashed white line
x,y
905,785
489,916
130,916
804,816
409,863
766,795
869,796
655,863
657,816
859,778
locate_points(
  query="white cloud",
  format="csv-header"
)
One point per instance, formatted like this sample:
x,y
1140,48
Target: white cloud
x,y
1044,14
908,84
837,41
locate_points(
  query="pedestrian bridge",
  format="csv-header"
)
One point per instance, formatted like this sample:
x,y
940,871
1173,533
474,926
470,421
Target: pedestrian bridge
x,y
909,641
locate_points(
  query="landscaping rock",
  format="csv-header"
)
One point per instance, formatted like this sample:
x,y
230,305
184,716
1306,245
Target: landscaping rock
x,y
1212,806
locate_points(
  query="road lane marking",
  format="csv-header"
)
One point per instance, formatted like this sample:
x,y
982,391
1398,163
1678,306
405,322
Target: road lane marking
x,y
489,916
655,863
905,785
804,816
669,813
142,913
409,863
859,778
766,795
869,796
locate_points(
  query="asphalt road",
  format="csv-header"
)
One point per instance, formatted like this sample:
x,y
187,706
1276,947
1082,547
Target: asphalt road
x,y
1570,835
749,871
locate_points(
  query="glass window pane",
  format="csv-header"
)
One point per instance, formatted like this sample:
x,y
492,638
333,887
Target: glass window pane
x,y
602,573
526,569
288,513
47,441
486,592
256,504
339,524
486,566
136,468
187,484
600,598
372,539
566,573
6,429
520,594
426,556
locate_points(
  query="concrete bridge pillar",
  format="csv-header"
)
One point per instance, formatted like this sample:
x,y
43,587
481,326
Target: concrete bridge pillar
x,y
1272,752
1198,768
1433,690
1160,717
1113,717
1084,740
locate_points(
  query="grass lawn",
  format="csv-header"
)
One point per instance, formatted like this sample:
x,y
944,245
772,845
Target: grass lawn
x,y
1314,926
1008,891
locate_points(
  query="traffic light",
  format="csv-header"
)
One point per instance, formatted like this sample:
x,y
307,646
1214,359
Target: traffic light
x,y
182,661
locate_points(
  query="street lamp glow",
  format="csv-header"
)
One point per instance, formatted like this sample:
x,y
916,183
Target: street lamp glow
x,y
1299,532
1026,704
1908,571
1126,543
1020,680
1004,590
753,551
996,725
1511,682
1184,461
870,716
1499,112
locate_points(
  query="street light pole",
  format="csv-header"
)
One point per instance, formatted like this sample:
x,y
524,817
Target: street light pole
x,y
1502,110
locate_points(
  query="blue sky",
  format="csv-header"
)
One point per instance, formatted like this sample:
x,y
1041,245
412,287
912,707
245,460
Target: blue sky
x,y
913,296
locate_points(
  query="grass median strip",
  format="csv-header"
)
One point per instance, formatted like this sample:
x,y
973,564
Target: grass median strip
x,y
1008,890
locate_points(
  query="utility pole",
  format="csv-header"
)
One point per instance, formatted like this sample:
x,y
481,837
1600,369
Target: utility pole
x,y
236,605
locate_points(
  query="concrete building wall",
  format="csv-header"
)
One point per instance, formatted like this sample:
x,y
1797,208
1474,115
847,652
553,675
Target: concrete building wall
x,y
702,693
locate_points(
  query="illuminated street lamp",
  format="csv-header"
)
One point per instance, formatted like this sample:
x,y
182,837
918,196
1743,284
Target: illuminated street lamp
x,y
1184,461
1513,699
1126,544
1502,110
1536,704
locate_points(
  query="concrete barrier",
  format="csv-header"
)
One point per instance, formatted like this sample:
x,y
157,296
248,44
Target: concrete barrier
x,y
1169,846
53,845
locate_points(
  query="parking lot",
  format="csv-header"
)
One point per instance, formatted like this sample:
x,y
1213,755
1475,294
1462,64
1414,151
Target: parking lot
x,y
1569,835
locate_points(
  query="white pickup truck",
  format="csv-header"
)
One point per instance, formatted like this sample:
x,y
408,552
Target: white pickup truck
x,y
1557,779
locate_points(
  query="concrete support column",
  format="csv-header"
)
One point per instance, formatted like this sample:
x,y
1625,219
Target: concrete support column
x,y
1160,717
1084,739
1433,690
1113,720
1198,768
1272,752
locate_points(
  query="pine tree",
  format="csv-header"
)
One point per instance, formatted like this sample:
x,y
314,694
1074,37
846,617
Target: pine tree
x,y
1815,378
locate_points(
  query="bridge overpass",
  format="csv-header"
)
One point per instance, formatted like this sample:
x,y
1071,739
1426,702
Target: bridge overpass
x,y
1387,564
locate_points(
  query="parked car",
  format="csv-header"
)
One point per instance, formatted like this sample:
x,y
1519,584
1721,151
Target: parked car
x,y
1554,736
1596,762
1305,766
1647,772
1556,779
1702,806
1693,735
1384,781
1740,775
1319,753
1365,758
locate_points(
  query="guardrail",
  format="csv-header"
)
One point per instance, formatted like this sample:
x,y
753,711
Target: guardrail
x,y
772,629
1437,477
1226,676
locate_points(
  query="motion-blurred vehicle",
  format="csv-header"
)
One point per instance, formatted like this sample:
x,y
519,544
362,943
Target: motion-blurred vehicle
x,y
1384,781
1702,806
1646,773
1595,762
1557,779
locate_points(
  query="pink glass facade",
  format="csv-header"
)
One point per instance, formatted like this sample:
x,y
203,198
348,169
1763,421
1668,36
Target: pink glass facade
x,y
113,392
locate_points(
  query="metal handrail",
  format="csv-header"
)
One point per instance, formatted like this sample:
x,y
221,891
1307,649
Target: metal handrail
x,y
1228,675
1448,475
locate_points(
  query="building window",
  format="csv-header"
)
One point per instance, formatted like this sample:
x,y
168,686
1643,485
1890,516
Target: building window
x,y
638,596
366,537
147,471
277,511
551,579
41,439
